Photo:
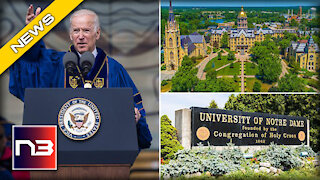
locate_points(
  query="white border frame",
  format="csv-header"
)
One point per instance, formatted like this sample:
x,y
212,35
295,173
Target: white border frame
x,y
55,149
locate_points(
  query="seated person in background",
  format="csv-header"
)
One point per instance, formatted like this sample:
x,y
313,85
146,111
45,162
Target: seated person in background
x,y
43,68
5,157
7,129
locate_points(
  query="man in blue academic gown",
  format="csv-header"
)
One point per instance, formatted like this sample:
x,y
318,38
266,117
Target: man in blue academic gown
x,y
43,68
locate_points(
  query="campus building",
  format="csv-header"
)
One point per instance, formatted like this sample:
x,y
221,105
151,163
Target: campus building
x,y
242,20
177,46
242,38
305,53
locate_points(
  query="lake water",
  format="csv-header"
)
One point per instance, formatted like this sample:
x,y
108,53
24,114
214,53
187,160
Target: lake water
x,y
216,20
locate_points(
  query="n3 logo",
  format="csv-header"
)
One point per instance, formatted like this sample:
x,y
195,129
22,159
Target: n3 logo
x,y
48,147
34,147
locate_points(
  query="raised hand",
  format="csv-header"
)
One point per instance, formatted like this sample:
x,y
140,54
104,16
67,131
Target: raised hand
x,y
30,14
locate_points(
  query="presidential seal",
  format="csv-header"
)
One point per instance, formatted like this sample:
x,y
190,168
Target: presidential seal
x,y
79,119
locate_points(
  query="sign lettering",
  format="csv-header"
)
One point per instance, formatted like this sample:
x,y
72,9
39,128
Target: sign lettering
x,y
219,127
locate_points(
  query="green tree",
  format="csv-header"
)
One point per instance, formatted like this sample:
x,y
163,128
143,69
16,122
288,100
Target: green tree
x,y
225,40
284,43
163,67
169,139
185,78
208,23
231,56
293,23
304,21
184,29
250,25
213,104
256,87
290,83
211,74
164,82
266,54
290,36
162,58
259,51
316,37
216,85
163,24
295,65
219,55
208,50
269,69
314,23
305,105
268,41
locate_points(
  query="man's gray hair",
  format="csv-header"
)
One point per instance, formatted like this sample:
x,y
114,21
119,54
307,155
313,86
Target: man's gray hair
x,y
86,12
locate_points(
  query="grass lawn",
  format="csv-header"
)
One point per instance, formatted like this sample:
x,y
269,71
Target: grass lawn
x,y
230,71
215,50
249,70
199,61
308,73
217,63
314,83
167,87
264,86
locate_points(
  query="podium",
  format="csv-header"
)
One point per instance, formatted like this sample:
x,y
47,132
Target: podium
x,y
108,153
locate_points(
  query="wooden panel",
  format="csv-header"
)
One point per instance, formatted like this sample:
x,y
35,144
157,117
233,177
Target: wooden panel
x,y
146,166
85,172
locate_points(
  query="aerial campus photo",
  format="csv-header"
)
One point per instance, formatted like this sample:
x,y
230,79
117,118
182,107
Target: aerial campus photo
x,y
252,68
240,46
240,136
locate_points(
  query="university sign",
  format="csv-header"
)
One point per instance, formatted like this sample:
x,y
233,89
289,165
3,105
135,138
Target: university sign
x,y
218,127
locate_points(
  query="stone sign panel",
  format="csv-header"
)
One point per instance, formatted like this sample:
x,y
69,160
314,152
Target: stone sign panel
x,y
218,127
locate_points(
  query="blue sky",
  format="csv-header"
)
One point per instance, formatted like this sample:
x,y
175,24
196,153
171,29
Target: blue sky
x,y
246,3
170,102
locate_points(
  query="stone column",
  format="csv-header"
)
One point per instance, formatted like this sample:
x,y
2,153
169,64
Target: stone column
x,y
183,125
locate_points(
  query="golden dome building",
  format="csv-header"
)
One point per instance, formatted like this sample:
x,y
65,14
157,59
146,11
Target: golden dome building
x,y
242,20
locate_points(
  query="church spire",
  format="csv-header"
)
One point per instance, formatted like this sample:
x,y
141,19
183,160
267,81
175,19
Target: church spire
x,y
171,15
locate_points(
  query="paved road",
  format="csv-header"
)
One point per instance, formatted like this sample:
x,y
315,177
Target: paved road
x,y
312,88
247,60
315,77
201,74
242,76
239,76
165,75
284,69
226,65
242,59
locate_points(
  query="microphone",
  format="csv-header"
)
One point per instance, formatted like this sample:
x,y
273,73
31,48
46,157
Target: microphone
x,y
86,61
69,63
